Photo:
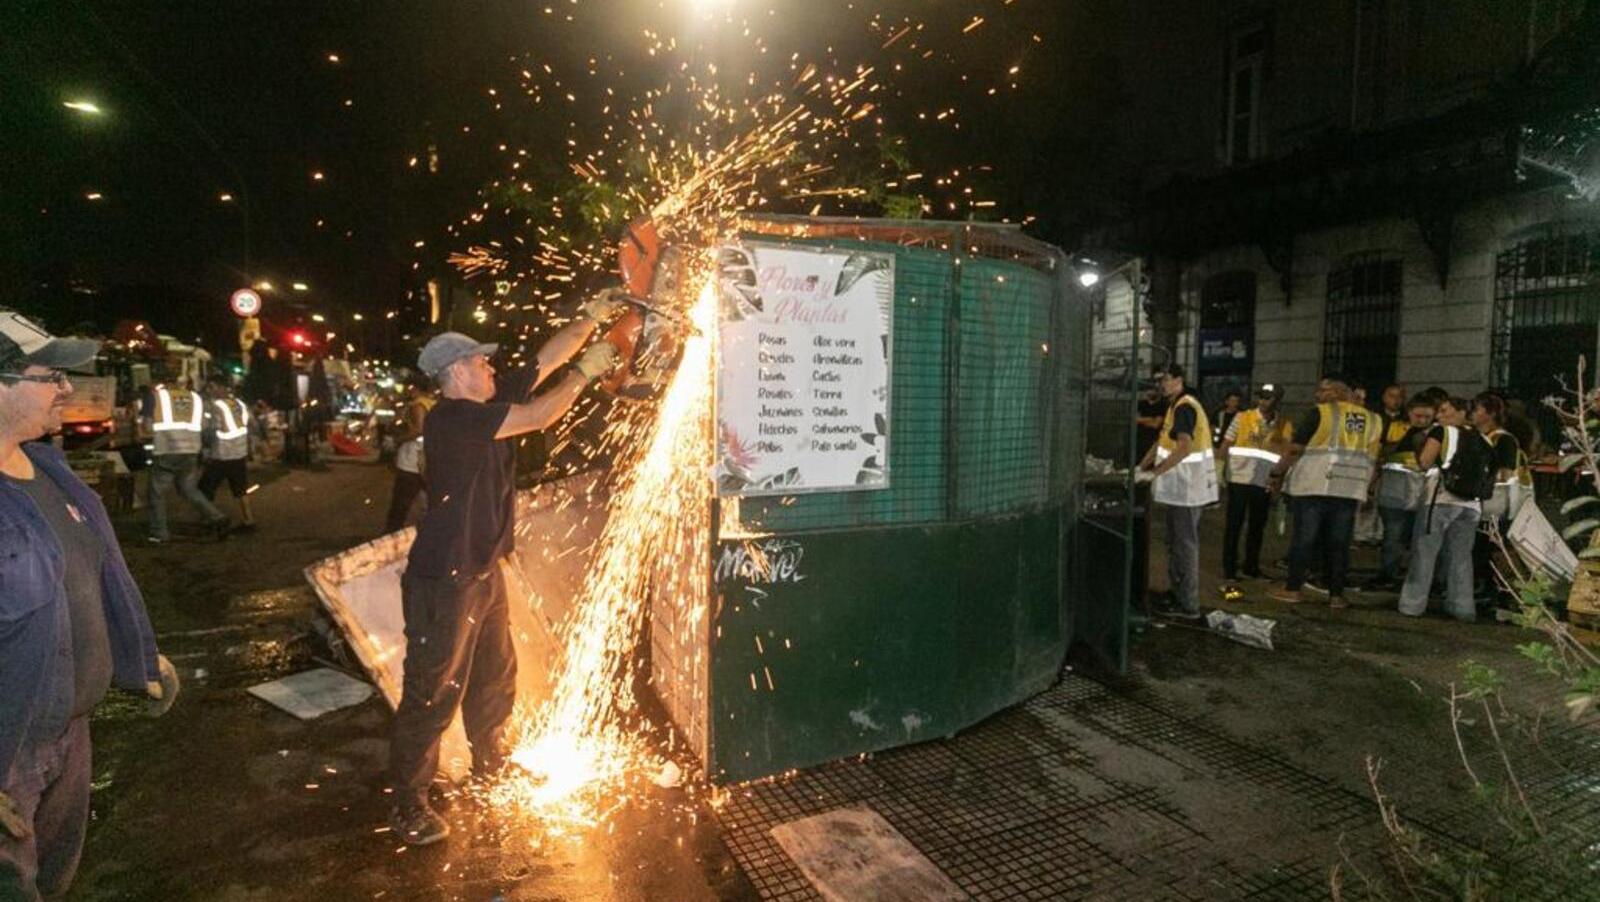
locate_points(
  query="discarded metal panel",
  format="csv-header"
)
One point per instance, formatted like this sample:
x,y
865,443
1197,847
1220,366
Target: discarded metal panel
x,y
557,523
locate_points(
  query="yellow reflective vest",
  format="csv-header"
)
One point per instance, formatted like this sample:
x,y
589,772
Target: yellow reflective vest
x,y
1193,482
1251,456
1338,460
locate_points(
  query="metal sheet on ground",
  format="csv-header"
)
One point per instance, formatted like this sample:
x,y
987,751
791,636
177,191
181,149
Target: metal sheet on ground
x,y
854,855
311,694
557,523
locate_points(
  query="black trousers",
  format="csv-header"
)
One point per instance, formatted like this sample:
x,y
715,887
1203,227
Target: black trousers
x,y
1246,504
1323,527
406,487
459,656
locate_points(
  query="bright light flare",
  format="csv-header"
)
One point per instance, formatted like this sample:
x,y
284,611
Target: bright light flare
x,y
1088,278
86,107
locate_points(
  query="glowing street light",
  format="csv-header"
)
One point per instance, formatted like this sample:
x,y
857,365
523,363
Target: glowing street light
x,y
93,195
86,107
300,286
225,197
263,285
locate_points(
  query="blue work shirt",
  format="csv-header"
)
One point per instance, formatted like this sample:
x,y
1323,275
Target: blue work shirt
x,y
36,668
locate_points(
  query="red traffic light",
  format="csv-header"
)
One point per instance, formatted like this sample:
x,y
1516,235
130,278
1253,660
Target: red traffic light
x,y
297,338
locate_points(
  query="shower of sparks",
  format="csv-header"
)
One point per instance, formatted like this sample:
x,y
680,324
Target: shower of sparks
x,y
696,154
578,746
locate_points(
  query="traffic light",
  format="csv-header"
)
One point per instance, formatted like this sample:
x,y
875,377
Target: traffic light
x,y
297,339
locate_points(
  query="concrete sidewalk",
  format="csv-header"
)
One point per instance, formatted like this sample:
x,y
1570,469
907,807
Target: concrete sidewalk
x,y
1212,771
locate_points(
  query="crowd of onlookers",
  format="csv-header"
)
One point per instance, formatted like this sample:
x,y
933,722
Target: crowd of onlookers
x,y
1419,475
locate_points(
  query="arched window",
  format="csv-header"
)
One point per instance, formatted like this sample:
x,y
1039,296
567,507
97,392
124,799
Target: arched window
x,y
1361,335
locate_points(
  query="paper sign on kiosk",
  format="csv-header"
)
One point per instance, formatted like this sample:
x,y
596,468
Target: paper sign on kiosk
x,y
803,377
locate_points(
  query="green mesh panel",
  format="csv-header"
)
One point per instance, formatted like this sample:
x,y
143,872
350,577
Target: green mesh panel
x,y
1003,395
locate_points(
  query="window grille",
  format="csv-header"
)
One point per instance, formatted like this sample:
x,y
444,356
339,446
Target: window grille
x,y
1546,312
1361,338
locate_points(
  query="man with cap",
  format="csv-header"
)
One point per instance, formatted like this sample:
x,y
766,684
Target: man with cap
x,y
72,622
459,651
1248,446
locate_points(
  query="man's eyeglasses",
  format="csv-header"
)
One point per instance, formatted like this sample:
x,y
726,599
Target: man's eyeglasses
x,y
56,378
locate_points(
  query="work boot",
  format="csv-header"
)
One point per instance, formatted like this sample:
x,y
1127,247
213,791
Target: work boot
x,y
418,824
1314,587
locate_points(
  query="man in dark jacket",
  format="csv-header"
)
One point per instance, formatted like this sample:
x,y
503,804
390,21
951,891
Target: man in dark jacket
x,y
72,622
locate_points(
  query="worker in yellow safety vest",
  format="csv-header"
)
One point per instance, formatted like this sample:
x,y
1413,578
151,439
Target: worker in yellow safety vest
x,y
227,452
1248,446
1182,466
1333,451
174,418
1400,487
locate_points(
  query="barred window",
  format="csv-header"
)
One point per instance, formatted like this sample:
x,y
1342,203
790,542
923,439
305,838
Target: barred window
x,y
1546,310
1361,337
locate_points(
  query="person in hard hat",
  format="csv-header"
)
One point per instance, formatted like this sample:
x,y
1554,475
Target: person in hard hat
x,y
1334,450
1182,466
1247,446
408,456
227,449
1400,488
459,653
174,418
72,622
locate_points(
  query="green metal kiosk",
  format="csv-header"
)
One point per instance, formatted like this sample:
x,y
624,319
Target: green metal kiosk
x,y
944,586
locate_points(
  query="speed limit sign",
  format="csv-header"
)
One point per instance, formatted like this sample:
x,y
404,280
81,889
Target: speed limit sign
x,y
245,303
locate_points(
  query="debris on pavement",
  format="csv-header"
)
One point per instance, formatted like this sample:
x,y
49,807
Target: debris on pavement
x,y
311,694
1252,631
669,776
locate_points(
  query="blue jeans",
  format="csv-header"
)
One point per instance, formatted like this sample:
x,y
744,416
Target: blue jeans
x,y
1449,532
49,781
1322,529
182,470
1397,525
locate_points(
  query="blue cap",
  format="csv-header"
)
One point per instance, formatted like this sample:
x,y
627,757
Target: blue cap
x,y
448,347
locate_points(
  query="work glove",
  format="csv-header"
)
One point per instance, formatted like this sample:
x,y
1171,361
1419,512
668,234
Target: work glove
x,y
163,692
604,305
598,359
11,821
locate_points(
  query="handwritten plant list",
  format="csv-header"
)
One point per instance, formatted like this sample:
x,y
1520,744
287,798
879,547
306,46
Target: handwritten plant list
x,y
803,377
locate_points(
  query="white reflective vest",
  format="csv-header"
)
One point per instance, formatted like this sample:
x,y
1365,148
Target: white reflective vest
x,y
1338,460
232,430
1401,483
1250,462
177,422
1193,482
1514,491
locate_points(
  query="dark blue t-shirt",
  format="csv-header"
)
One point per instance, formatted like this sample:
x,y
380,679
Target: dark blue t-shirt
x,y
471,480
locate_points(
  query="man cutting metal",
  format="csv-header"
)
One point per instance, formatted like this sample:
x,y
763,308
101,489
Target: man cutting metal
x,y
459,651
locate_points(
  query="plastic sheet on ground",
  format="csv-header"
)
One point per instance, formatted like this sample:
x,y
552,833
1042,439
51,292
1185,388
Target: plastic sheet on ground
x,y
1253,631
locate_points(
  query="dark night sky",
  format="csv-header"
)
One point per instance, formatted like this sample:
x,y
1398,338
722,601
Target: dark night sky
x,y
240,97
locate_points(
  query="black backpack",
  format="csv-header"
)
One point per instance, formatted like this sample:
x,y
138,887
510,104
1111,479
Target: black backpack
x,y
1471,472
